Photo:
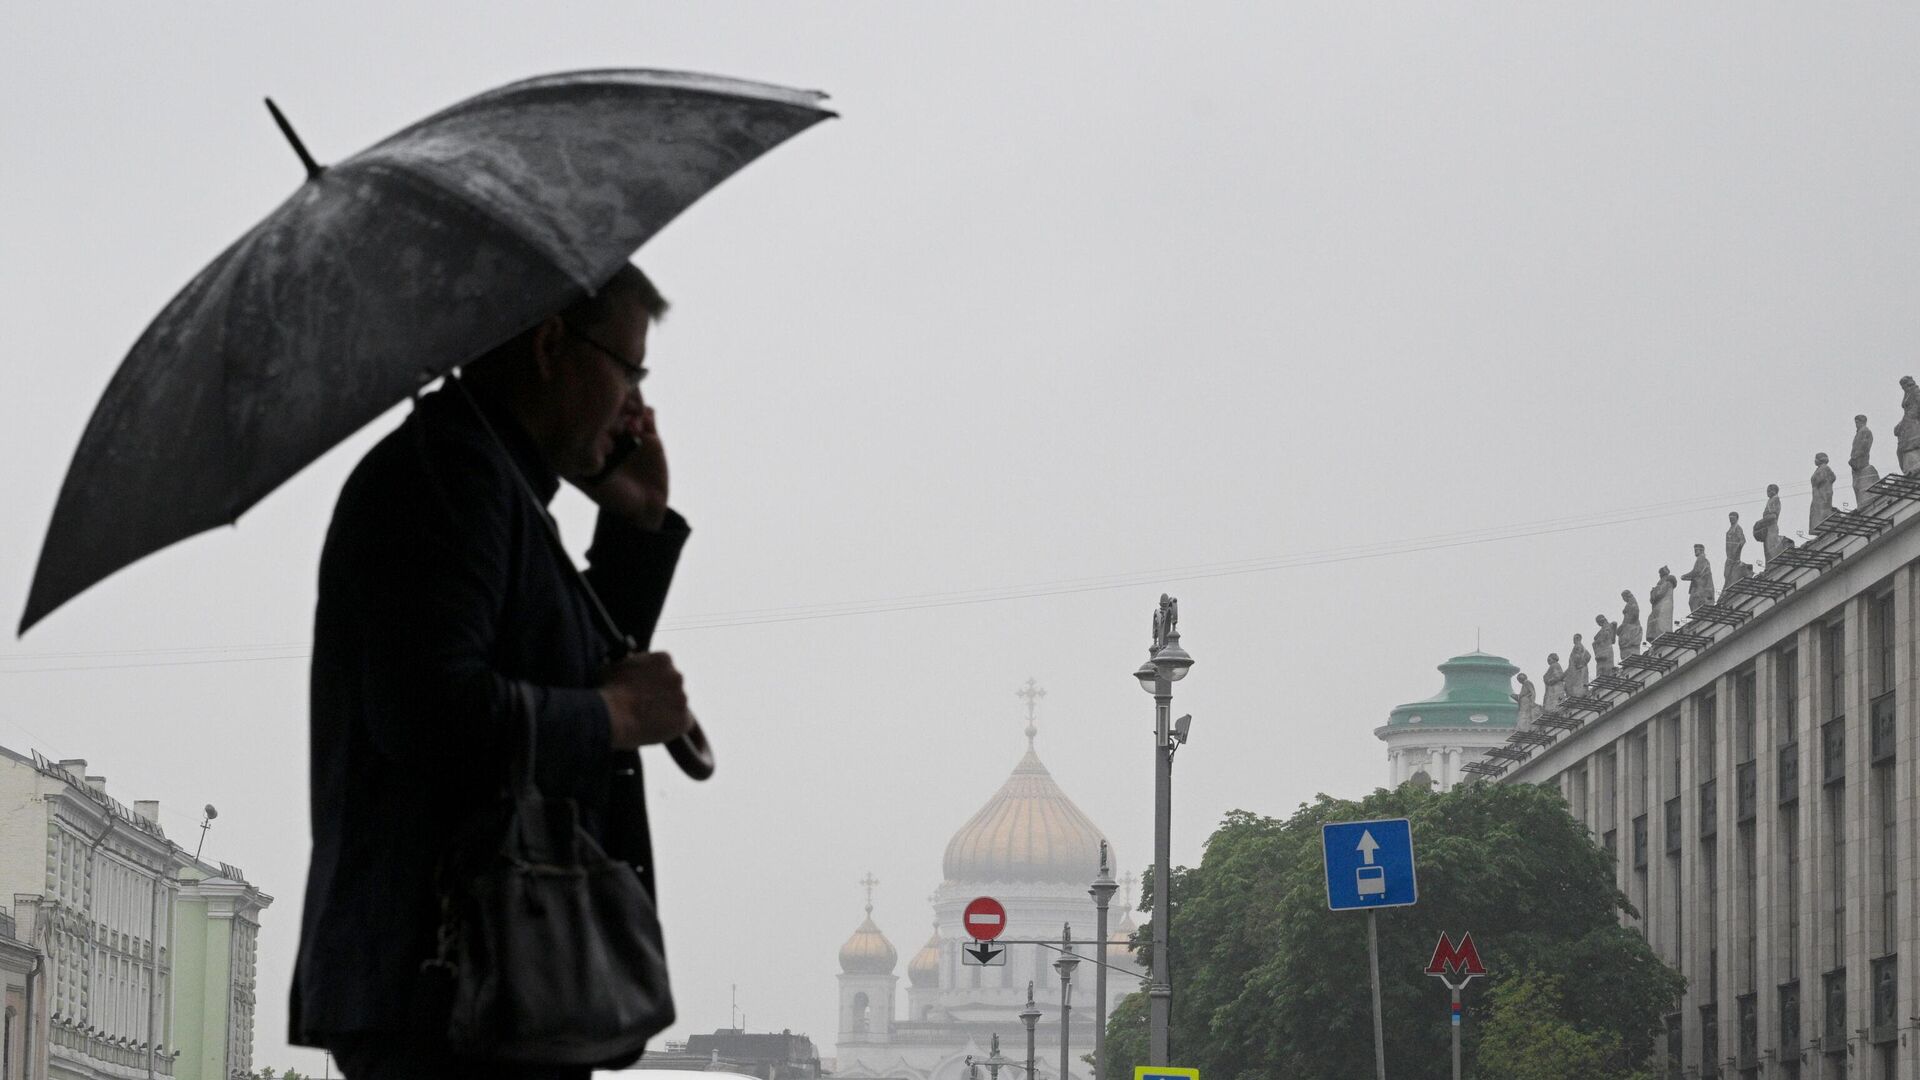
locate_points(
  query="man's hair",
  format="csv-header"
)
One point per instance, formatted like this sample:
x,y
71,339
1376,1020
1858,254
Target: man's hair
x,y
589,312
629,283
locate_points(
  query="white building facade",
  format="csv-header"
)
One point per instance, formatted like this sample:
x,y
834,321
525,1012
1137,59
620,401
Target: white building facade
x,y
1754,774
97,920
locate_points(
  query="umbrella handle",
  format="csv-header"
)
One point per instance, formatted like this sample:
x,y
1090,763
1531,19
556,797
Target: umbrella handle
x,y
693,753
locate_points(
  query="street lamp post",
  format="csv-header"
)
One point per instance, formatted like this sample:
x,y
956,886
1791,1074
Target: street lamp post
x,y
993,1061
1030,1016
1167,664
1064,965
1102,891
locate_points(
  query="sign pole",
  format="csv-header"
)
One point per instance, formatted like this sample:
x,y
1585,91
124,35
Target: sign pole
x,y
1456,1030
1373,965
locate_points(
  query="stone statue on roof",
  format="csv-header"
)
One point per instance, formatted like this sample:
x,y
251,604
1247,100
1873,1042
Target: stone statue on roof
x,y
1577,662
1630,629
1734,569
1529,709
1822,505
1555,681
1908,432
1699,580
1767,529
1861,461
1603,640
1660,600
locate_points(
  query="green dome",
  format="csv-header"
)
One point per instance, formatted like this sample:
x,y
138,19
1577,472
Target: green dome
x,y
1477,693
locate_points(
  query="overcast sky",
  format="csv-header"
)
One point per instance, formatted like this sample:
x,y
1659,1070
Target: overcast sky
x,y
1074,305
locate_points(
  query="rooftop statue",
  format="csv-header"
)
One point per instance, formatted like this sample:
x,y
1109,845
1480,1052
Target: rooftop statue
x,y
1735,569
1630,629
1699,580
1555,680
1767,529
1908,432
1822,493
1577,661
1861,461
1524,699
1603,640
1660,600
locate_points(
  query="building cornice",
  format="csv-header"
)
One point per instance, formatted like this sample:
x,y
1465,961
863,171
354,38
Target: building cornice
x,y
1857,571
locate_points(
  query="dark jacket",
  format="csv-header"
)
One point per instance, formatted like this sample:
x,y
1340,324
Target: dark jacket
x,y
438,585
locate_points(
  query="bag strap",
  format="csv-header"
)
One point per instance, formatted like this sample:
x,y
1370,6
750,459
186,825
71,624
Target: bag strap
x,y
520,767
620,644
691,751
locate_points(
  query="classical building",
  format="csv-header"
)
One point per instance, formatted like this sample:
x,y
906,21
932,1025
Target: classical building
x,y
97,929
216,944
1033,850
1753,772
1473,712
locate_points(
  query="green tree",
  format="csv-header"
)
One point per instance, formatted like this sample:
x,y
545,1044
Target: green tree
x,y
1527,1036
1268,982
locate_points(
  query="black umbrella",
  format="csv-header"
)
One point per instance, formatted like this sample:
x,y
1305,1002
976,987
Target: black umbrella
x,y
380,274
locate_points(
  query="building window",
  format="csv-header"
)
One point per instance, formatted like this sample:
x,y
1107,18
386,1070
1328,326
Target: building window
x,y
1884,1024
1744,719
1880,644
1837,871
1709,742
1833,1039
1889,873
1790,844
1835,661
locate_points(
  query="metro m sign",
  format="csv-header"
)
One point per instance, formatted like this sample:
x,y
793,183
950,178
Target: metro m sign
x,y
1462,961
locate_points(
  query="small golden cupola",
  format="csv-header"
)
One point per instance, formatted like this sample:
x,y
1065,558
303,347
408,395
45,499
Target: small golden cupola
x,y
868,952
924,968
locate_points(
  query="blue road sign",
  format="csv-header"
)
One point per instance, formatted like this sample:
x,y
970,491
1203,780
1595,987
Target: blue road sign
x,y
1369,864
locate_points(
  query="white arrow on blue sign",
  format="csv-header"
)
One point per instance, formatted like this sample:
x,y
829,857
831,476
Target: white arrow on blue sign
x,y
1369,864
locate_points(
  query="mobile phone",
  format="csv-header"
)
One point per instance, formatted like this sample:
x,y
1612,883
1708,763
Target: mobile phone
x,y
623,447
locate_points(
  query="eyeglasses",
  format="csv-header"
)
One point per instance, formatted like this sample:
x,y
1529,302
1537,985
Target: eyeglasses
x,y
636,373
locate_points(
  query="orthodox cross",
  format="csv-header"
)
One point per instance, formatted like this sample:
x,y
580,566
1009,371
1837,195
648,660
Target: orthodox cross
x,y
1031,693
1126,888
869,881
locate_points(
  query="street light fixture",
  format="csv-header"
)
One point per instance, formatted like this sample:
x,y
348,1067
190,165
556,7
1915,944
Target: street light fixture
x,y
1102,891
1031,1016
1167,663
1064,965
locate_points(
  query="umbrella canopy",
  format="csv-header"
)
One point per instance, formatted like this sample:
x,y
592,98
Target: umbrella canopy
x,y
380,274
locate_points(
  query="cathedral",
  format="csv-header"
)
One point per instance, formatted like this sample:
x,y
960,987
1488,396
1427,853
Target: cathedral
x,y
1033,850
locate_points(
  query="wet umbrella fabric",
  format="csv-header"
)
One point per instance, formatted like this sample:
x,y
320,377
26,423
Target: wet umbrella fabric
x,y
379,274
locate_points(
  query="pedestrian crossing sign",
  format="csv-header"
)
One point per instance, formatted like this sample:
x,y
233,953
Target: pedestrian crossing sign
x,y
1164,1072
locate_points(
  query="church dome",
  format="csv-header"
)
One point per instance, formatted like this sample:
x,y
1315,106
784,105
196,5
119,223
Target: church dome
x,y
868,952
1029,831
924,968
1477,693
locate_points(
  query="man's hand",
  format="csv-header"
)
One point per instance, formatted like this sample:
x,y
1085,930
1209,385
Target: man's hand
x,y
637,489
646,701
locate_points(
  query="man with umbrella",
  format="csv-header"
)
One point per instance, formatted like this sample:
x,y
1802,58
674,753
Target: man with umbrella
x,y
451,623
438,586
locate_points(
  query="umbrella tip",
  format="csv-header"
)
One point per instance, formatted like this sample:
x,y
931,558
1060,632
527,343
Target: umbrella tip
x,y
314,168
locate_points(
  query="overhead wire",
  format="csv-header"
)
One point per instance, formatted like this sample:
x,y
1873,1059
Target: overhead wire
x,y
180,656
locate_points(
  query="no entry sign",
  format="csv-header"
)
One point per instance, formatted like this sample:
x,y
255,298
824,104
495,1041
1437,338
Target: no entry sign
x,y
984,918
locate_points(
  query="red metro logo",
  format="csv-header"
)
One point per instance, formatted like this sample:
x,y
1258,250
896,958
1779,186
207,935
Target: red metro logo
x,y
1462,960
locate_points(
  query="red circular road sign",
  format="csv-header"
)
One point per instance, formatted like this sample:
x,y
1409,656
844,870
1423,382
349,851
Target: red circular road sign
x,y
984,918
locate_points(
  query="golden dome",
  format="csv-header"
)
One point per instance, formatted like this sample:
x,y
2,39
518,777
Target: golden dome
x,y
868,952
924,968
1120,941
1028,831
